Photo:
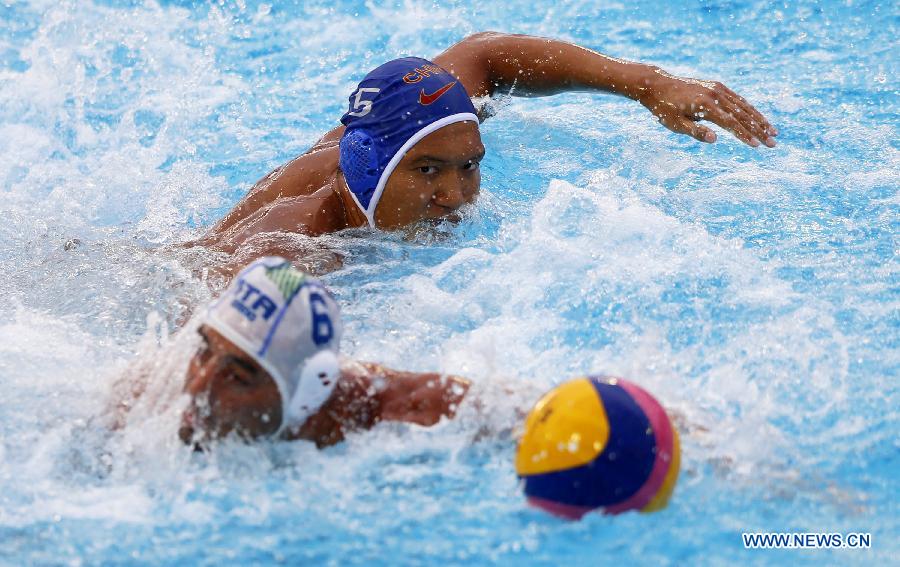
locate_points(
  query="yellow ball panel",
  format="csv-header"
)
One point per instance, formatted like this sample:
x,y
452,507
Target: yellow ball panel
x,y
567,428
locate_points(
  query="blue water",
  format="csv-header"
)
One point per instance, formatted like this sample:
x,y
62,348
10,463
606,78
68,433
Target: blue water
x,y
754,292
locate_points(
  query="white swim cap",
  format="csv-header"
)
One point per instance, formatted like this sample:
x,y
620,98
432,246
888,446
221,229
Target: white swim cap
x,y
288,322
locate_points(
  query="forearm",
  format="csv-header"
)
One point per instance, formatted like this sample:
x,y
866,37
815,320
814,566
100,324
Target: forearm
x,y
534,66
537,66
413,397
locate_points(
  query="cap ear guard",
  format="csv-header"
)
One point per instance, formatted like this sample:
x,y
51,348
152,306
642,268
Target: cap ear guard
x,y
359,163
317,380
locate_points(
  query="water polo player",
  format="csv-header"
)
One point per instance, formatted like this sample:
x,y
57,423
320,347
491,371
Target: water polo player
x,y
409,147
268,367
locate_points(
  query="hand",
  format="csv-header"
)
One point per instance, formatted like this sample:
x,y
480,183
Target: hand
x,y
680,103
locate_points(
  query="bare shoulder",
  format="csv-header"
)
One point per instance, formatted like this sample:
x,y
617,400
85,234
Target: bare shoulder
x,y
304,176
318,212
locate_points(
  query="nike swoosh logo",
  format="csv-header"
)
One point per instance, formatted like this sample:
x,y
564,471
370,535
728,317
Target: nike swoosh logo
x,y
427,99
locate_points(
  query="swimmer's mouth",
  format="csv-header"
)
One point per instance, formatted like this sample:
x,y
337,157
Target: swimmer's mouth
x,y
435,226
188,434
454,217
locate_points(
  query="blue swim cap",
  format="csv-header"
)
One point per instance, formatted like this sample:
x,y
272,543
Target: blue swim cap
x,y
392,108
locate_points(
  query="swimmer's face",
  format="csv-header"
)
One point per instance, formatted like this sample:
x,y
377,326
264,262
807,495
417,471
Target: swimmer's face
x,y
230,392
440,174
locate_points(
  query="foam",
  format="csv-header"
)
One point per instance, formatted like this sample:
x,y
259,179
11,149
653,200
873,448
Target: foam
x,y
746,289
507,321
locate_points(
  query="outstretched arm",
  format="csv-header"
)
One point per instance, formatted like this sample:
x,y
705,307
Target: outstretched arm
x,y
368,393
411,397
536,66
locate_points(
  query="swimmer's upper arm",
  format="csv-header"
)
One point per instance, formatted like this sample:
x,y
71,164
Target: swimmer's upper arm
x,y
524,65
469,62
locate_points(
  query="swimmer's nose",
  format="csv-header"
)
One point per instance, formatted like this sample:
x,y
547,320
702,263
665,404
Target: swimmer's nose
x,y
186,428
200,380
451,195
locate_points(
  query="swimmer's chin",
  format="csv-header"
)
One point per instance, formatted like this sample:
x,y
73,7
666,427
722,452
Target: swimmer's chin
x,y
453,218
189,437
194,435
430,231
202,440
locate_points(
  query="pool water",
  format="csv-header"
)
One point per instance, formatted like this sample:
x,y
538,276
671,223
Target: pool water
x,y
754,292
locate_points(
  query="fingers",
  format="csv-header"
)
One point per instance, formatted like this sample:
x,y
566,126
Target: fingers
x,y
750,122
725,110
771,130
753,121
741,102
720,105
728,120
687,126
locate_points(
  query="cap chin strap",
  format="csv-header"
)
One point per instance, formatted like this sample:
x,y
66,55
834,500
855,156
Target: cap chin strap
x,y
318,377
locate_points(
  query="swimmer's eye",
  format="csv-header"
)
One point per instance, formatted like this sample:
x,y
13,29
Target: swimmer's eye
x,y
471,165
203,351
241,379
428,169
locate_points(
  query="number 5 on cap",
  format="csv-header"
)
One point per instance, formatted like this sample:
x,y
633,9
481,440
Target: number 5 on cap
x,y
362,107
